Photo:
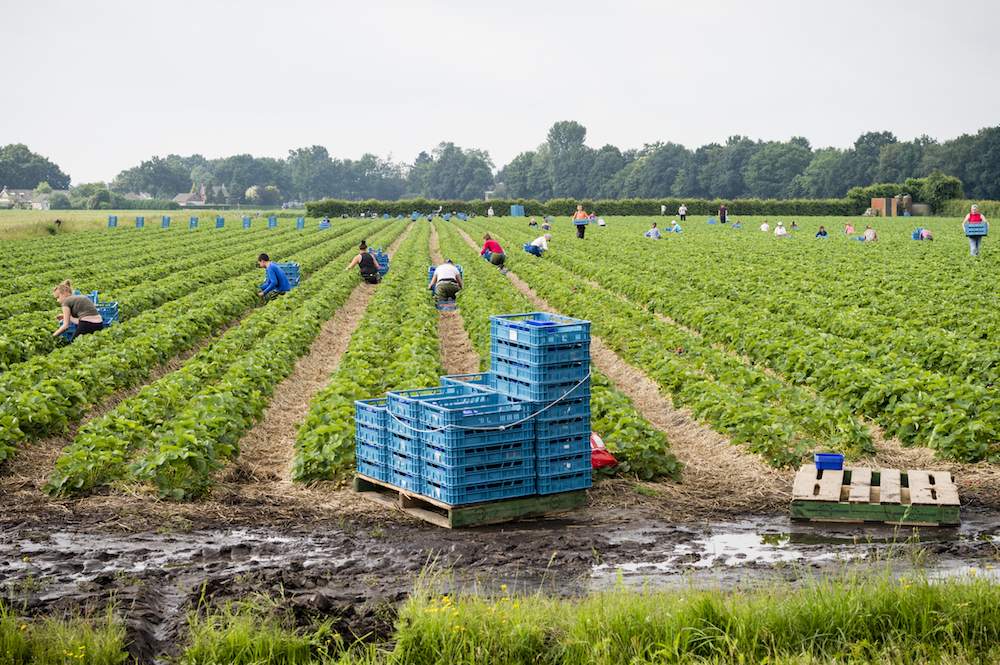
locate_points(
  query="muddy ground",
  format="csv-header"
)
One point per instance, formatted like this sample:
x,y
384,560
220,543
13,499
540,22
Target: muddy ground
x,y
324,551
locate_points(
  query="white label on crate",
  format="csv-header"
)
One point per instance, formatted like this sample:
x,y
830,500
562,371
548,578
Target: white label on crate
x,y
513,335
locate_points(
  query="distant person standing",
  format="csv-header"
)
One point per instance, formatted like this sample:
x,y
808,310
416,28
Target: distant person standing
x,y
683,212
722,213
663,209
975,241
489,213
580,219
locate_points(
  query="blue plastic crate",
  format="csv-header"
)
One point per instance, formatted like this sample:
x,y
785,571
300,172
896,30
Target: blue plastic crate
x,y
405,445
505,452
538,354
495,491
411,465
406,481
481,379
372,412
543,392
539,328
371,454
406,403
411,428
562,429
562,447
291,271
565,483
476,411
977,229
459,476
561,466
378,472
377,436
562,373
830,461
465,438
562,409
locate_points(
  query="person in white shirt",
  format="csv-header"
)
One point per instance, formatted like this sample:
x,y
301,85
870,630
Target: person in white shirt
x,y
683,212
539,245
663,208
780,230
765,227
489,213
446,282
653,233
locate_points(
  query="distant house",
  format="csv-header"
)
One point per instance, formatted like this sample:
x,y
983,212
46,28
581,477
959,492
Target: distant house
x,y
16,197
198,198
41,202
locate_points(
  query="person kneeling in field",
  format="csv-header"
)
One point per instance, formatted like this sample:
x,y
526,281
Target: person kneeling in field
x,y
276,282
653,232
367,264
492,251
76,309
446,282
538,245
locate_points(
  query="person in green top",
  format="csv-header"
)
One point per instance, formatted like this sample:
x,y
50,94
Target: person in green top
x,y
76,309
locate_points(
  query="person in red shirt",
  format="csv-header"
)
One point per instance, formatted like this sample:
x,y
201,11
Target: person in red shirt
x,y
974,217
492,251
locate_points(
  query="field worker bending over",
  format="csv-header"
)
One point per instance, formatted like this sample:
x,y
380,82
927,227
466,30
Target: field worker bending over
x,y
276,282
76,309
870,235
492,251
780,230
446,282
368,264
925,234
538,245
848,228
653,233
676,228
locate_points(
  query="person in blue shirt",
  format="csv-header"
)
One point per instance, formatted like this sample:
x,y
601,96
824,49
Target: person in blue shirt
x,y
276,280
821,233
653,232
676,227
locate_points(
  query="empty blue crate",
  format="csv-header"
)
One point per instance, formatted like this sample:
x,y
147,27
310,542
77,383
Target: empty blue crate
x,y
564,483
372,412
480,379
546,429
406,403
409,464
291,271
503,452
551,354
480,411
561,466
562,373
378,472
543,391
411,446
458,437
975,229
465,475
374,436
563,409
539,328
477,493
406,481
371,452
563,447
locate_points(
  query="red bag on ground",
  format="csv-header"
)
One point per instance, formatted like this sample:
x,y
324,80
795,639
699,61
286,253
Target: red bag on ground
x,y
599,455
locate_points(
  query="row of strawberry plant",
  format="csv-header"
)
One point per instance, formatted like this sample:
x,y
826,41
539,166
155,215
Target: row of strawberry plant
x,y
640,448
42,395
394,347
958,419
29,334
103,446
780,422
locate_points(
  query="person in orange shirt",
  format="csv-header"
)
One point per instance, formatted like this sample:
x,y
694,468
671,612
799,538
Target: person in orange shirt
x,y
580,219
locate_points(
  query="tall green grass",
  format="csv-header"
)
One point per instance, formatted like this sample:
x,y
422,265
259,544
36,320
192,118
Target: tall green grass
x,y
81,638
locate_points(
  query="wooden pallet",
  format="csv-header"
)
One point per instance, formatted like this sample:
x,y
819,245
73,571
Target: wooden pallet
x,y
918,498
473,514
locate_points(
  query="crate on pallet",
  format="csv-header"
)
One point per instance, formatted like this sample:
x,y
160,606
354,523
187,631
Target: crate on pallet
x,y
563,409
482,411
474,493
543,374
291,271
551,354
522,449
548,429
481,379
539,328
461,437
543,391
563,446
564,483
548,467
406,403
446,475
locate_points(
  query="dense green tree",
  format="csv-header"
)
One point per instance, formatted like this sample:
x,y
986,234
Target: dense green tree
x,y
515,175
43,188
771,172
862,161
22,169
566,135
59,201
607,162
161,178
824,177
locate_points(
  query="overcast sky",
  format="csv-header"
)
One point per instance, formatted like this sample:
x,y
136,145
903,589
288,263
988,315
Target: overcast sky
x,y
98,86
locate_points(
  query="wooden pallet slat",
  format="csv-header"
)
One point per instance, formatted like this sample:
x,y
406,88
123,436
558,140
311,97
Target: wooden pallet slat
x,y
812,484
890,486
861,486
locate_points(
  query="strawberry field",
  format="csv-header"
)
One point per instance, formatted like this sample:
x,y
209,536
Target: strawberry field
x,y
784,346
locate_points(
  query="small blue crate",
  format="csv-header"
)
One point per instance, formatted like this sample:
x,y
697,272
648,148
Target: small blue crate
x,y
561,466
481,379
373,436
458,456
405,481
976,229
453,437
540,354
430,273
108,312
371,454
372,412
565,483
563,373
406,403
543,392
539,328
476,411
562,429
378,472
495,491
829,461
559,447
411,428
405,445
452,476
411,465
916,234
563,409
291,271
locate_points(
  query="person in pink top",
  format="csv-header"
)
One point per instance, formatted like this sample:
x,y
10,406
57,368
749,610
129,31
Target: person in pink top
x,y
849,229
492,251
974,217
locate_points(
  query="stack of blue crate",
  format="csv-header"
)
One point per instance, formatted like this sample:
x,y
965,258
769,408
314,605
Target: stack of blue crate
x,y
545,358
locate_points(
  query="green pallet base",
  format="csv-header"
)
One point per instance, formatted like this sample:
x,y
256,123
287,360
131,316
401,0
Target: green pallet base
x,y
889,514
475,514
